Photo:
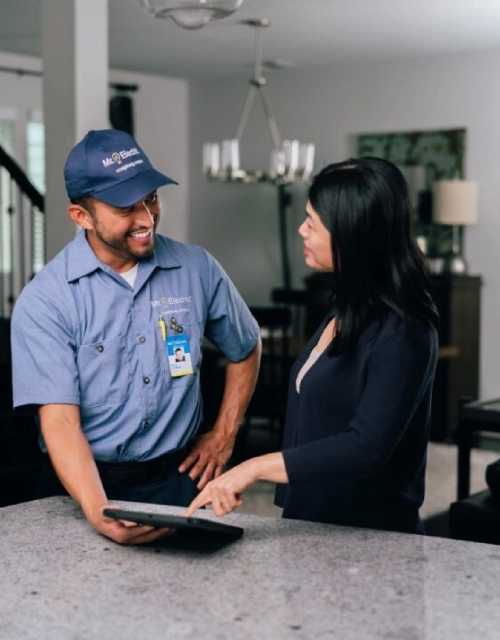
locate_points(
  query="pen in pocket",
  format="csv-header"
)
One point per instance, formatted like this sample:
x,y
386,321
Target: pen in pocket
x,y
161,324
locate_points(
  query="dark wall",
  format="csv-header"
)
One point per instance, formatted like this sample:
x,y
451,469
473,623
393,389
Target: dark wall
x,y
20,455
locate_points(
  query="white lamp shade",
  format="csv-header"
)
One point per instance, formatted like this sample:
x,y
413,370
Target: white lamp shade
x,y
455,202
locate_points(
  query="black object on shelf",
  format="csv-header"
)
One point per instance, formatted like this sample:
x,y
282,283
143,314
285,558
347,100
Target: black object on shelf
x,y
478,426
476,518
492,476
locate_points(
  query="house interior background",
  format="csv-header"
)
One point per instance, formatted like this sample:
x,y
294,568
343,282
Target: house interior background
x,y
336,70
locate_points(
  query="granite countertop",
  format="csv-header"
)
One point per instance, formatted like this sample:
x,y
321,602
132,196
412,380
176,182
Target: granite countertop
x,y
61,580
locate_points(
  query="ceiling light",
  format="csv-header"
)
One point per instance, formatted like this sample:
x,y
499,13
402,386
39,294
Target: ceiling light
x,y
191,14
291,161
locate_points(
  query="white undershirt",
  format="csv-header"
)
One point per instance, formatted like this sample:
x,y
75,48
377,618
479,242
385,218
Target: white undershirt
x,y
131,275
313,356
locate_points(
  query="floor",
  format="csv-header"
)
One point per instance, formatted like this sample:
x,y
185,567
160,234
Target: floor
x,y
441,481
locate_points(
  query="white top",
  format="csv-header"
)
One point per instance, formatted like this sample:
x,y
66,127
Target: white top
x,y
131,275
313,356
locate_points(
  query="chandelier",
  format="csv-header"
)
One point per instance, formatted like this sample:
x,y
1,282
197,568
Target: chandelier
x,y
290,160
191,14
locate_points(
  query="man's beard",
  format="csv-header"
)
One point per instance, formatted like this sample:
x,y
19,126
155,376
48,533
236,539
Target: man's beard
x,y
122,246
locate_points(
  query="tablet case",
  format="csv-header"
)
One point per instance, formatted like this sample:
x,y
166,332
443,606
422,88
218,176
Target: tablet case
x,y
165,520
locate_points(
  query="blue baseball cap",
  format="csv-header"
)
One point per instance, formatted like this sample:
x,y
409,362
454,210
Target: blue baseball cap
x,y
109,165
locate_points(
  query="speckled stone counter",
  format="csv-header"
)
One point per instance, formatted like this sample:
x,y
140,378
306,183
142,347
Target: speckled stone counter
x,y
60,580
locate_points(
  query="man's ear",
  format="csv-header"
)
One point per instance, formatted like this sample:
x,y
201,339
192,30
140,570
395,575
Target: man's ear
x,y
80,216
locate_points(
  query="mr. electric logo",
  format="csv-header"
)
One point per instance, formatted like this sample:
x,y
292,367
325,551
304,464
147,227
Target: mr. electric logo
x,y
118,156
171,300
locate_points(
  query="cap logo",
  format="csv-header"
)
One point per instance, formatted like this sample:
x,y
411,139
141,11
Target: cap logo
x,y
118,156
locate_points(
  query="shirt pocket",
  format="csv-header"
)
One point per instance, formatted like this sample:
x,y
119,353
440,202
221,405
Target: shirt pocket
x,y
104,371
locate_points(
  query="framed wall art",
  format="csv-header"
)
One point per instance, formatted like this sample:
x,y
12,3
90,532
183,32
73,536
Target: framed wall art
x,y
423,157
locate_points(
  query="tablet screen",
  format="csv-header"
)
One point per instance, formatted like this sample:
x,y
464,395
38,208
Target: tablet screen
x,y
168,521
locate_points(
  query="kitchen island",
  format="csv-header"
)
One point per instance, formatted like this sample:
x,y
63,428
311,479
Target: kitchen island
x,y
61,580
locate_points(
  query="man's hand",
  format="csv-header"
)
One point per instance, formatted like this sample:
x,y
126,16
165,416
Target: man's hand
x,y
208,457
212,450
123,531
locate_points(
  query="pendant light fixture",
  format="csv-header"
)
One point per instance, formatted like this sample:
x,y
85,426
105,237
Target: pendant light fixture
x,y
191,14
290,160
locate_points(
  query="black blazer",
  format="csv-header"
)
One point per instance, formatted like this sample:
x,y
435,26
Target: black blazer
x,y
356,437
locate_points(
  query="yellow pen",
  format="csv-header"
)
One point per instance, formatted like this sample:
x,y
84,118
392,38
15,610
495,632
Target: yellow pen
x,y
161,324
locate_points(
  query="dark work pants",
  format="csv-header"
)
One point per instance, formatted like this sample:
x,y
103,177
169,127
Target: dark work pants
x,y
173,488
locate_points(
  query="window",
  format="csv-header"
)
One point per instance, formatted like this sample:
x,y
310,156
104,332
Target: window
x,y
35,155
7,133
22,227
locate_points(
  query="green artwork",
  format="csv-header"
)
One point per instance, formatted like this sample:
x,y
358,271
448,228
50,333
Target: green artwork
x,y
423,157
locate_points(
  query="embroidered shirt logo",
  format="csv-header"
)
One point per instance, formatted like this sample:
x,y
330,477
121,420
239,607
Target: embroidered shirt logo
x,y
170,300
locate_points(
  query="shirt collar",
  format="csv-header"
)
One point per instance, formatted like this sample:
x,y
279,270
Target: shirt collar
x,y
82,260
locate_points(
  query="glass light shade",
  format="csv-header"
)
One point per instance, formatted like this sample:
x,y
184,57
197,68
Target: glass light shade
x,y
230,155
306,161
277,165
291,149
191,14
211,158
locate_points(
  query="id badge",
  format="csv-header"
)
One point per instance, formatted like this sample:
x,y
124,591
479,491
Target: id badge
x,y
179,355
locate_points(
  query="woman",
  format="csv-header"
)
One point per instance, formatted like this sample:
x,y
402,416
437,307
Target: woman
x,y
359,401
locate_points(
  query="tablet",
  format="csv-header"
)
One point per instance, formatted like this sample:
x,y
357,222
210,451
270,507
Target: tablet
x,y
169,521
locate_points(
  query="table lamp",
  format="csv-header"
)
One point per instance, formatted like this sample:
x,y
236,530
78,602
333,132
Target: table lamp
x,y
455,203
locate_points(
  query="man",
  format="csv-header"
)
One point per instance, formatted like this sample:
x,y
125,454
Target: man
x,y
91,337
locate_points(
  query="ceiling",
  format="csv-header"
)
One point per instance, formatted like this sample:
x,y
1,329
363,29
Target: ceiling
x,y
306,34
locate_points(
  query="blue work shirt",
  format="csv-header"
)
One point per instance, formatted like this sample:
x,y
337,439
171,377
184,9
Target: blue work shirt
x,y
81,335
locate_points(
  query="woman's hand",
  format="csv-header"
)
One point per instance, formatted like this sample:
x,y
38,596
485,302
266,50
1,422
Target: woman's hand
x,y
224,493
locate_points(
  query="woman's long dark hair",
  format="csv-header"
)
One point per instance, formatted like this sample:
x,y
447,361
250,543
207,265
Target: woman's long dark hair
x,y
364,204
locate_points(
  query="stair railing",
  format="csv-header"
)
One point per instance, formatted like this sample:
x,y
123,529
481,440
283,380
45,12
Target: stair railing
x,y
22,231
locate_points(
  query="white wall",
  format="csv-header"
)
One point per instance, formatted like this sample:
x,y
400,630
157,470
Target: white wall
x,y
161,127
238,223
